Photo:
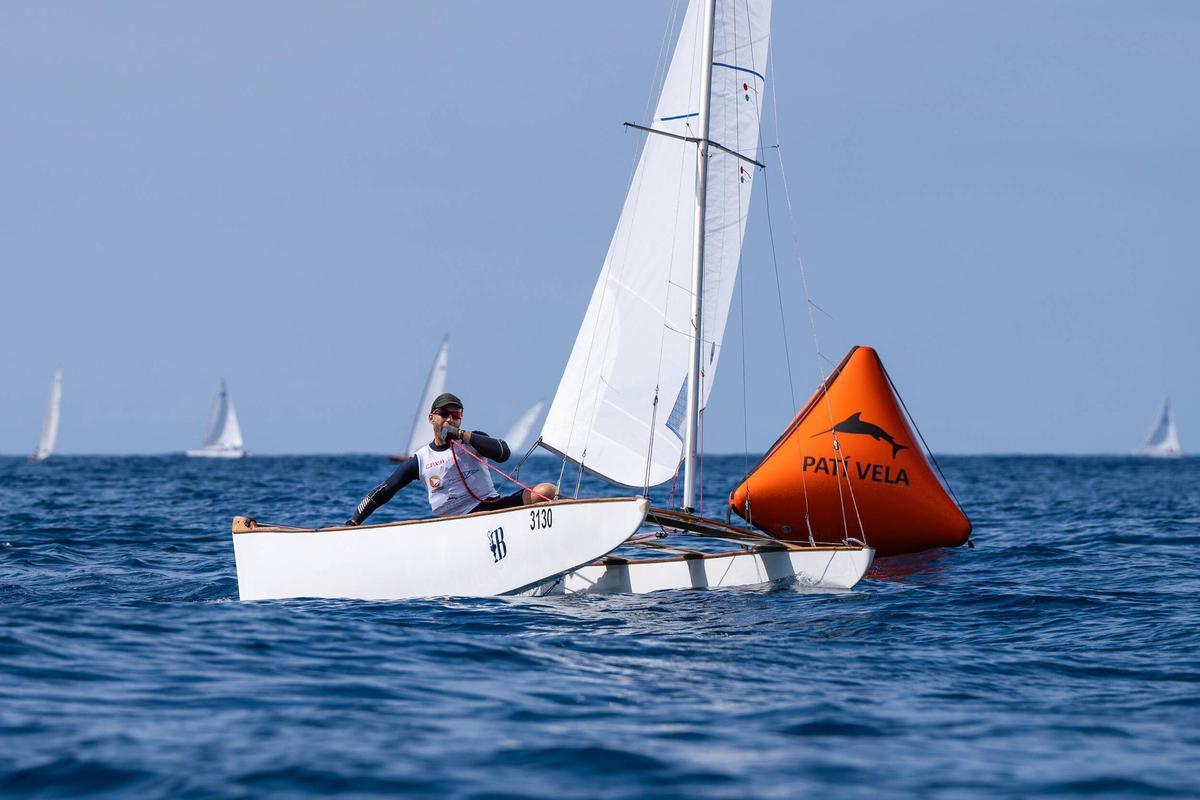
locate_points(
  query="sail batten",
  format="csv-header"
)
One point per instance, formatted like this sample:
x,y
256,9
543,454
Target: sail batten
x,y
637,331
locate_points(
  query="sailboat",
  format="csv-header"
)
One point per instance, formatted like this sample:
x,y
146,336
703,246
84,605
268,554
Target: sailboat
x,y
224,437
518,434
1163,439
45,446
435,384
630,401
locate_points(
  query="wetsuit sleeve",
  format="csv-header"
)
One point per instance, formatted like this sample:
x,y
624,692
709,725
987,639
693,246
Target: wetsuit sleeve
x,y
486,446
405,474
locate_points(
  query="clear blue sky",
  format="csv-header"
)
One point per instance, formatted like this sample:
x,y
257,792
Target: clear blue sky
x,y
303,197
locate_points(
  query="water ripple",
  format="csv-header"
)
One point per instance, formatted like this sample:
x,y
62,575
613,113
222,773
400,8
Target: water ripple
x,y
1059,657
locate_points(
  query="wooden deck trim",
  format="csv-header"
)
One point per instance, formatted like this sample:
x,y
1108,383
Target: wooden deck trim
x,y
243,524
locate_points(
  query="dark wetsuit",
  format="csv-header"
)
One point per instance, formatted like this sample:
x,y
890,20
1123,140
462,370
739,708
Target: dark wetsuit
x,y
410,470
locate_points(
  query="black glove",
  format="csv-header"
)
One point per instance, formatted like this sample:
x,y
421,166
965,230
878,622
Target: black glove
x,y
351,523
450,433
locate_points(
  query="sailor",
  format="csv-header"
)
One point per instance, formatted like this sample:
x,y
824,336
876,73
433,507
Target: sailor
x,y
457,483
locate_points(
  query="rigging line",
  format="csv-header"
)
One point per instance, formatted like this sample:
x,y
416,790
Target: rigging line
x,y
741,290
838,453
650,449
661,62
823,311
659,76
920,436
741,283
528,453
778,288
700,494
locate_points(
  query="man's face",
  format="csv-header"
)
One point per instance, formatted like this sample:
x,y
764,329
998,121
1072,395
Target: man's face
x,y
440,417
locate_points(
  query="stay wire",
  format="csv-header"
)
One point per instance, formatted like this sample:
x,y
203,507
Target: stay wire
x,y
839,456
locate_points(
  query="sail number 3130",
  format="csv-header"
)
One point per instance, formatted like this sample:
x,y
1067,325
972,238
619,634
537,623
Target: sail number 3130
x,y
540,518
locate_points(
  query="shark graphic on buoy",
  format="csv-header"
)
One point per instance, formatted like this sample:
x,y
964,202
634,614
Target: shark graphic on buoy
x,y
855,424
829,481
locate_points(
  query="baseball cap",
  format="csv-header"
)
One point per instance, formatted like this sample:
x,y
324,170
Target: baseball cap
x,y
445,399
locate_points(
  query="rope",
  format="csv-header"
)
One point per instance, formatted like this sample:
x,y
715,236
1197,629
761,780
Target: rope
x,y
839,456
650,449
455,447
528,453
920,436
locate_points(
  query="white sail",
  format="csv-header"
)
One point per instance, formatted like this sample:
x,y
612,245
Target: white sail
x,y
435,384
519,433
230,436
1163,439
224,435
633,344
50,428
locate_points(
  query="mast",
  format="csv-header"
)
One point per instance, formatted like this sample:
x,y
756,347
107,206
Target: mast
x,y
690,465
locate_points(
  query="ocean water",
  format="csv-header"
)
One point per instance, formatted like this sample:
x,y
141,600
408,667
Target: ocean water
x,y
1060,657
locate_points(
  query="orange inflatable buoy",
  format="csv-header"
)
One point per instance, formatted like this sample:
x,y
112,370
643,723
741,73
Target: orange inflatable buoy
x,y
849,466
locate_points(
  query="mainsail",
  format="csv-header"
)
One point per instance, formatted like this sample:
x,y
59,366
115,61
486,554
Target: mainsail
x,y
224,432
1163,439
50,428
435,384
625,383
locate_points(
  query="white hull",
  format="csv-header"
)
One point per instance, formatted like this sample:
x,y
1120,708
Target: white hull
x,y
1153,453
492,553
216,453
818,567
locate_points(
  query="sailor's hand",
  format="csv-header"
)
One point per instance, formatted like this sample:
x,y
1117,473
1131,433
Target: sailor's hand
x,y
450,433
351,523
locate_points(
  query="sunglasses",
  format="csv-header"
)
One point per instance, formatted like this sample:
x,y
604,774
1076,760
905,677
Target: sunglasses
x,y
447,412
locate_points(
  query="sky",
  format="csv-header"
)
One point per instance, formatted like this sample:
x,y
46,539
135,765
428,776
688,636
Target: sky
x,y
303,198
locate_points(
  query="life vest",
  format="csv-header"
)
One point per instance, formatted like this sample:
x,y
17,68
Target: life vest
x,y
448,495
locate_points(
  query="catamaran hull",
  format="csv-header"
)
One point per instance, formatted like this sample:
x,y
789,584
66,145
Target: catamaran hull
x,y
216,453
821,568
493,553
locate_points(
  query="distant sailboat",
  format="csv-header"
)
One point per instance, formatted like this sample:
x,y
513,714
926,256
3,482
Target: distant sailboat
x,y
50,429
435,384
224,438
1163,440
519,433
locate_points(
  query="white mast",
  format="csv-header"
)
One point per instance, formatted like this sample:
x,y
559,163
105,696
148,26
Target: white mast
x,y
693,387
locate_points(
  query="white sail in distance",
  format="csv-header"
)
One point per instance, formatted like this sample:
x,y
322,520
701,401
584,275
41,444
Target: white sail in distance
x,y
1163,439
224,435
519,433
435,384
49,438
634,341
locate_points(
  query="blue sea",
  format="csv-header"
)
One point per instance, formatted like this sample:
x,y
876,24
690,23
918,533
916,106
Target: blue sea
x,y
1060,657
